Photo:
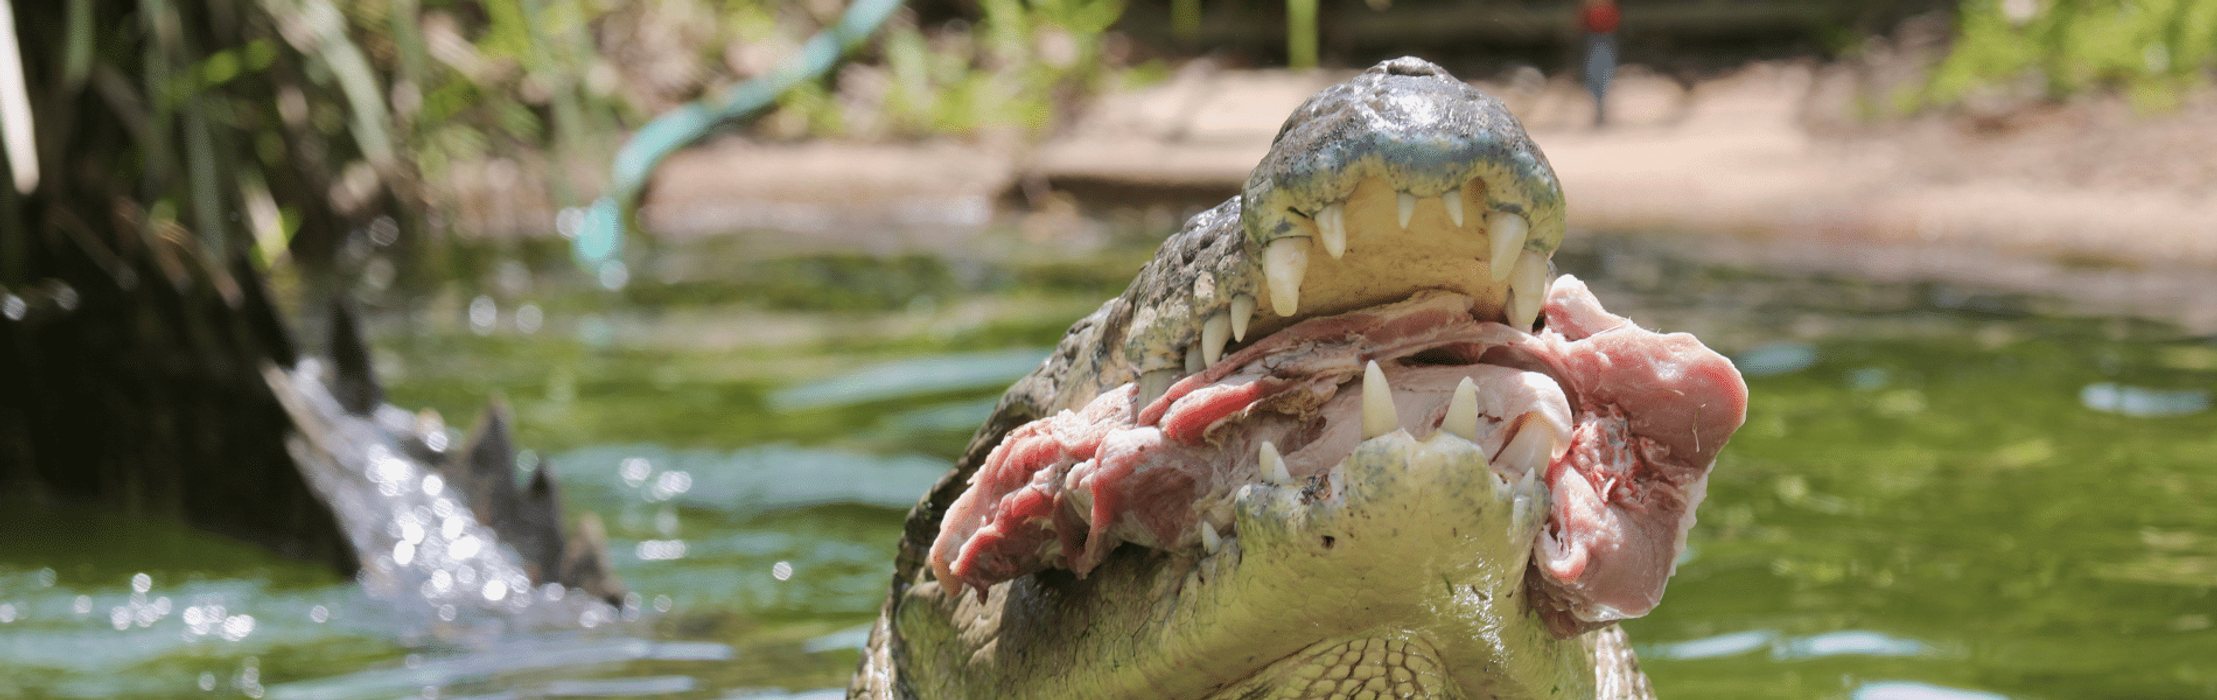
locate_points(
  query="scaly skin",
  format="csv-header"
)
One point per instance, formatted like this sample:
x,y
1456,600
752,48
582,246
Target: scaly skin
x,y
1399,573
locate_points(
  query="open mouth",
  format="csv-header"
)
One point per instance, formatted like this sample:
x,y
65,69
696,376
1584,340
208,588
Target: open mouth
x,y
1618,423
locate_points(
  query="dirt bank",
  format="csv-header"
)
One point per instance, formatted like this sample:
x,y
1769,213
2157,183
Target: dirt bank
x,y
2040,198
1737,154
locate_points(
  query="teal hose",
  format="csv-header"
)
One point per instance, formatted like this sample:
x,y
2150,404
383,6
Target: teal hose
x,y
600,237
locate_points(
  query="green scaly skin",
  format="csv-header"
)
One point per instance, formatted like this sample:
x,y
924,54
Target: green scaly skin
x,y
1398,574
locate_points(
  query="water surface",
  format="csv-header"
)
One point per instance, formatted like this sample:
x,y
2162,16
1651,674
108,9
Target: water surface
x,y
1941,491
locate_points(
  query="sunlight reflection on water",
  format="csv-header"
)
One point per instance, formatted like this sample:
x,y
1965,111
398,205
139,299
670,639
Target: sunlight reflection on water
x,y
1842,643
513,657
2143,402
909,378
1901,690
756,478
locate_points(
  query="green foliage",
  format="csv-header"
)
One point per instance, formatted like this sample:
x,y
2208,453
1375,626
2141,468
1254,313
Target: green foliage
x,y
324,115
565,77
1015,68
2152,50
235,123
1301,34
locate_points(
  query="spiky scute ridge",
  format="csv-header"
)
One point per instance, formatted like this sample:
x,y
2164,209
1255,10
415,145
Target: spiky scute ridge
x,y
482,471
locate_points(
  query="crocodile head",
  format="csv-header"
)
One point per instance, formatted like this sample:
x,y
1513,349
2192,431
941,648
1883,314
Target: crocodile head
x,y
1343,437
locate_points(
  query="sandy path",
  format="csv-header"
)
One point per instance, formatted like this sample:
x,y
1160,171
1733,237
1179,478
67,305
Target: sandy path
x,y
2087,199
1735,157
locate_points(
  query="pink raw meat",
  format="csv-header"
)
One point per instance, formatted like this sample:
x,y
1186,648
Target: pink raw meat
x,y
1649,412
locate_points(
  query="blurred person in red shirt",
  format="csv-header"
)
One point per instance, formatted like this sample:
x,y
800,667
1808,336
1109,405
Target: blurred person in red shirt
x,y
1599,19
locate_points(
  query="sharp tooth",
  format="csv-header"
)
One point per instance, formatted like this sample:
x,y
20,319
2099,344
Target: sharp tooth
x,y
1527,497
1453,200
1462,412
1507,230
1527,289
1284,263
1273,467
1331,229
1532,447
1406,208
1194,361
1378,417
1554,408
1214,333
1210,541
1522,501
1243,310
1153,384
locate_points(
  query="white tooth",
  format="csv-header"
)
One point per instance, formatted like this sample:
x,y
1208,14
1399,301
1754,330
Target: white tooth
x,y
1331,229
1453,200
1407,208
1214,333
1284,263
1527,289
1378,416
1507,230
1273,466
1210,541
1243,310
1153,384
1462,412
1531,449
1194,361
1553,410
1527,496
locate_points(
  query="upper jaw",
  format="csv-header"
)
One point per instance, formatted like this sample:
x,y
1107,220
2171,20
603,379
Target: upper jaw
x,y
1400,180
1432,182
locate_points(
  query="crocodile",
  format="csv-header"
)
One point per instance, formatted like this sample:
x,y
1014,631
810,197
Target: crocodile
x,y
153,380
1345,436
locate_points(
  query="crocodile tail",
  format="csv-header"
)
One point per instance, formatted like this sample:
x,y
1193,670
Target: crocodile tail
x,y
354,382
485,469
585,562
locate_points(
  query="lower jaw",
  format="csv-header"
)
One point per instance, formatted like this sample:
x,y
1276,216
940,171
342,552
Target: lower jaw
x,y
1413,546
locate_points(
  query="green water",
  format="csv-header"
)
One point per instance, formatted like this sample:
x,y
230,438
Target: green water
x,y
1941,491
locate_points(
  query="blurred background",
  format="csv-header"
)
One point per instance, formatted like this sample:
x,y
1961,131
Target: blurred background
x,y
1964,252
